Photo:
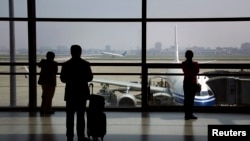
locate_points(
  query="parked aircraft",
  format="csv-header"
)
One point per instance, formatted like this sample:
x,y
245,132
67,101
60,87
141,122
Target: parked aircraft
x,y
170,94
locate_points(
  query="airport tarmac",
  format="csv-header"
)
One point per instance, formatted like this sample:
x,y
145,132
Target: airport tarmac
x,y
22,95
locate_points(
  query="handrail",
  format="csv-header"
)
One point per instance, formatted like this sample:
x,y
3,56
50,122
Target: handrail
x,y
155,65
211,19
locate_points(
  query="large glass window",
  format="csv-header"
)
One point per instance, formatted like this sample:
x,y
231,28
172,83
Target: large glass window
x,y
132,45
88,9
197,8
106,42
4,8
119,91
19,39
18,7
14,88
14,49
209,41
5,88
4,44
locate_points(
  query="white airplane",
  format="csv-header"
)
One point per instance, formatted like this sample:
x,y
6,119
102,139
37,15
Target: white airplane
x,y
115,54
170,94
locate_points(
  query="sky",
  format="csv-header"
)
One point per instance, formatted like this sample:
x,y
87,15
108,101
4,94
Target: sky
x,y
125,36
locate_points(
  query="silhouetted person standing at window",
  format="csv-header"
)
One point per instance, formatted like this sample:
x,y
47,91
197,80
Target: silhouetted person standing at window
x,y
76,73
190,69
47,80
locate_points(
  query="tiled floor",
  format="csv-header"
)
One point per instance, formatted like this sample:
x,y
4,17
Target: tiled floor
x,y
121,126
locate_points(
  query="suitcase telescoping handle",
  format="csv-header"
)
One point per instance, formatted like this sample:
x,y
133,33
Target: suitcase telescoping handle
x,y
91,86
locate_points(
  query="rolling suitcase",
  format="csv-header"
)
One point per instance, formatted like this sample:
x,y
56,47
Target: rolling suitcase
x,y
96,118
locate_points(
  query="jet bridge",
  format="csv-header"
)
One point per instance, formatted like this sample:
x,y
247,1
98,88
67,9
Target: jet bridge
x,y
230,91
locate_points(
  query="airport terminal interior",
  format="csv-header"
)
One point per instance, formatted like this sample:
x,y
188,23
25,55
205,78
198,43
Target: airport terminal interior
x,y
135,48
122,126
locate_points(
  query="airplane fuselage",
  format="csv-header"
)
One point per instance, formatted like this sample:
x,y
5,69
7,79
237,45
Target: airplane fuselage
x,y
204,98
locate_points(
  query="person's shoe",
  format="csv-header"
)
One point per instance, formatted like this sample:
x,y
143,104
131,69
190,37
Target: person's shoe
x,y
190,117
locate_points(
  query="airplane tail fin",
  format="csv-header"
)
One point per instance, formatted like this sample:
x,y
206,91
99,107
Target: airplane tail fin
x,y
176,46
27,70
124,53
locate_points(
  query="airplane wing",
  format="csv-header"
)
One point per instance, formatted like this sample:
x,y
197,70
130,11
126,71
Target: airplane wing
x,y
130,85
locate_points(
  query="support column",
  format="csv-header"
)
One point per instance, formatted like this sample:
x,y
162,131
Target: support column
x,y
32,55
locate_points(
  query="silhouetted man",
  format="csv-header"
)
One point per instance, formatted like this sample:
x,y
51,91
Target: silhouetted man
x,y
47,80
76,73
190,69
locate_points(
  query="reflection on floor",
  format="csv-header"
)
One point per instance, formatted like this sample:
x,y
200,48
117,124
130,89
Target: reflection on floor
x,y
121,126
